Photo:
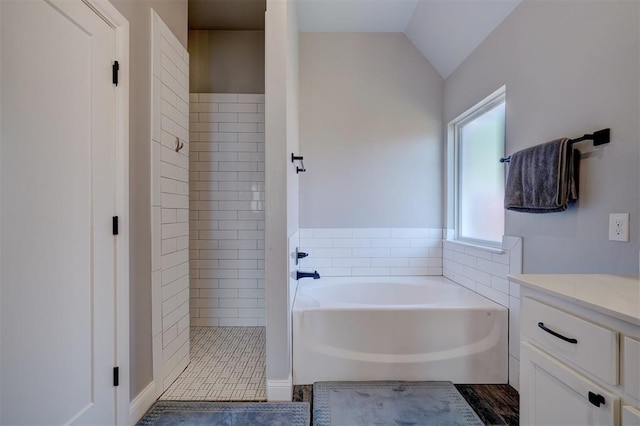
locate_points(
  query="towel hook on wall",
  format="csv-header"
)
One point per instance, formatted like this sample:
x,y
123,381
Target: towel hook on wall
x,y
179,145
299,158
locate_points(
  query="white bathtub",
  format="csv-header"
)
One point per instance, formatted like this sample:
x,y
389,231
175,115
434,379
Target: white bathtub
x,y
397,328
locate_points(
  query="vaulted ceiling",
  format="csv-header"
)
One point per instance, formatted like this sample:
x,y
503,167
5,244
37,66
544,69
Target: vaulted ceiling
x,y
445,31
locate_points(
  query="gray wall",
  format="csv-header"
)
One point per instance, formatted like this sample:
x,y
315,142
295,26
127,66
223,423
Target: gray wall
x,y
293,123
137,12
569,68
370,132
226,61
281,123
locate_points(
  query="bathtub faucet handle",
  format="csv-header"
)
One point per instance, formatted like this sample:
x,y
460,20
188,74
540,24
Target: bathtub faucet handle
x,y
315,275
300,255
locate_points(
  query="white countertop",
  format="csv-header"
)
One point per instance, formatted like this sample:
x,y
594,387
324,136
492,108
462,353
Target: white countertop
x,y
615,295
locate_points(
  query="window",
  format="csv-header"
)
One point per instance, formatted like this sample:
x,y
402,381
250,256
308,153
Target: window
x,y
478,175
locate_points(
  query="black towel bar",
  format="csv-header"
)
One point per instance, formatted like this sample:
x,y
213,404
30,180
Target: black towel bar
x,y
600,137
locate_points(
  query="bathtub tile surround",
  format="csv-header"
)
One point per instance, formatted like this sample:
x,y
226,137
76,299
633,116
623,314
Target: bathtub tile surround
x,y
227,209
481,270
170,204
485,272
293,242
372,251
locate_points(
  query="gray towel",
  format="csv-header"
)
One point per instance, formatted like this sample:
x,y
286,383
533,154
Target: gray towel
x,y
543,178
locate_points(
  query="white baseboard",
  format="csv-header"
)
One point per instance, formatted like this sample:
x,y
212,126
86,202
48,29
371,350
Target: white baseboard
x,y
280,390
142,403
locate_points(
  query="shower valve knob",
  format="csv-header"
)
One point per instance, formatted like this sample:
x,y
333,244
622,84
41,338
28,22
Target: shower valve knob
x,y
300,255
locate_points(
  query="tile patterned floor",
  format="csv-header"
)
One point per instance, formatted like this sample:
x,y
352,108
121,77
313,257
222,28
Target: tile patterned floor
x,y
227,364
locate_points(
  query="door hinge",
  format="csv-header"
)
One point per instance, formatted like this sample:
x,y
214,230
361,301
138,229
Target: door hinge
x,y
115,225
116,376
115,68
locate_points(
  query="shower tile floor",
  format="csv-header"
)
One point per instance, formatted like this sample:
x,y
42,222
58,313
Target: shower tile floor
x,y
227,364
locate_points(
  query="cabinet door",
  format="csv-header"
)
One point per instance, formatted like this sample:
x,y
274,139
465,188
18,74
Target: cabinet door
x,y
631,366
630,416
553,394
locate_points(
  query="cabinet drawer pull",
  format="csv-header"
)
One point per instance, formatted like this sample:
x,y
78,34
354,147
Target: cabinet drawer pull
x,y
596,399
559,336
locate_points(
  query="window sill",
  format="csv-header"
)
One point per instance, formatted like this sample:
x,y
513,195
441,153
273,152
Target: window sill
x,y
490,249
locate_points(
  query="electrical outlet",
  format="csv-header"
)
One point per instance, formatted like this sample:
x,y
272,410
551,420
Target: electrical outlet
x,y
619,227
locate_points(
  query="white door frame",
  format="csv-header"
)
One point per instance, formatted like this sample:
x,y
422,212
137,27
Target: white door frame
x,y
119,23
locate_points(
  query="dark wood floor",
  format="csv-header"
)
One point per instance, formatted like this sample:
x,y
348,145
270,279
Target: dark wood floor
x,y
494,404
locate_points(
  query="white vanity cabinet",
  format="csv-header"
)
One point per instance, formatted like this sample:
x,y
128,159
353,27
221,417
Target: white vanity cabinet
x,y
579,350
557,395
630,416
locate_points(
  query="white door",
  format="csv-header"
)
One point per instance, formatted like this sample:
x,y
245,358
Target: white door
x,y
58,195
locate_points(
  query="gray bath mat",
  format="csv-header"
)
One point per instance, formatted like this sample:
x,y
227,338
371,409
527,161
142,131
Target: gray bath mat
x,y
390,403
165,413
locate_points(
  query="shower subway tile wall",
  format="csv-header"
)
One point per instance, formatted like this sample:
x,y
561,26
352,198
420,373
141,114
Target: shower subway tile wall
x,y
226,203
170,205
372,252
